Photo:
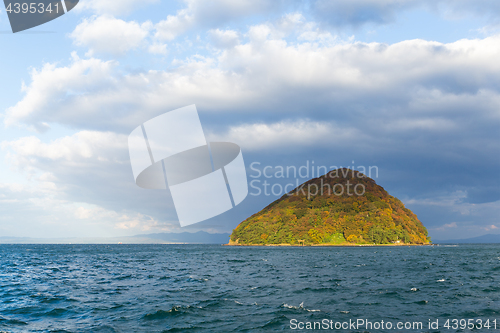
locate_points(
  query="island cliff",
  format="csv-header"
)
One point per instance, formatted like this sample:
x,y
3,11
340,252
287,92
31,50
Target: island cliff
x,y
342,207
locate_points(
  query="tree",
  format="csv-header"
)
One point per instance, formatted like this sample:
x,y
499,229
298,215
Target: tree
x,y
315,236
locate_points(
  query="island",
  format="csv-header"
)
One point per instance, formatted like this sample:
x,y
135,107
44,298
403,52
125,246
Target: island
x,y
344,207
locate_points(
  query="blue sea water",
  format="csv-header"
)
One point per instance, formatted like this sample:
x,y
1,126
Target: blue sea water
x,y
213,288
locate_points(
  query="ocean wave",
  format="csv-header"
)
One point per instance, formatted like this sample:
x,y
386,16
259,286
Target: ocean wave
x,y
423,302
194,289
300,307
8,322
161,314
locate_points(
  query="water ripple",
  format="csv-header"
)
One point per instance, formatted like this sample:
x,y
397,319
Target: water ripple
x,y
208,288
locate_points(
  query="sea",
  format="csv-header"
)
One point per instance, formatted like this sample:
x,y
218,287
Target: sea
x,y
215,288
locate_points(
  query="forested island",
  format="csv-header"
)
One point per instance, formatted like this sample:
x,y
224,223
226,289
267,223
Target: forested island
x,y
342,207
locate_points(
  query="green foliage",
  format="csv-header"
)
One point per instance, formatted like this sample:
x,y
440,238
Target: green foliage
x,y
301,209
334,239
379,235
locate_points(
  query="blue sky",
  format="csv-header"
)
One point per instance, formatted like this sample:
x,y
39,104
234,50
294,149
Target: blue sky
x,y
409,86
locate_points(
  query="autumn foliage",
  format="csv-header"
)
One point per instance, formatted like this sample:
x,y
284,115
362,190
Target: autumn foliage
x,y
375,217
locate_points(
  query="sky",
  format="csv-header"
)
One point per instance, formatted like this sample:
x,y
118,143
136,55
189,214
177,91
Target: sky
x,y
410,88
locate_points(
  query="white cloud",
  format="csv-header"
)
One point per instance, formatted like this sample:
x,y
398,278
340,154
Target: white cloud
x,y
70,162
217,13
200,13
173,26
274,87
261,136
136,221
467,218
223,39
85,178
158,48
83,145
269,92
45,214
83,78
91,90
446,226
301,79
490,227
446,200
409,124
105,34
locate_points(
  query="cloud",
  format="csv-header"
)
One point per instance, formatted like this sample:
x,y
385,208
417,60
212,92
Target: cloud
x,y
136,221
490,227
426,113
447,226
467,218
261,136
83,145
407,106
198,14
86,181
415,105
408,85
105,34
173,26
223,39
83,77
489,8
203,14
444,200
93,168
45,214
158,48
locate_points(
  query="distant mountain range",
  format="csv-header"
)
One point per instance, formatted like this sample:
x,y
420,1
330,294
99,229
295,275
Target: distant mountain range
x,y
200,237
490,238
